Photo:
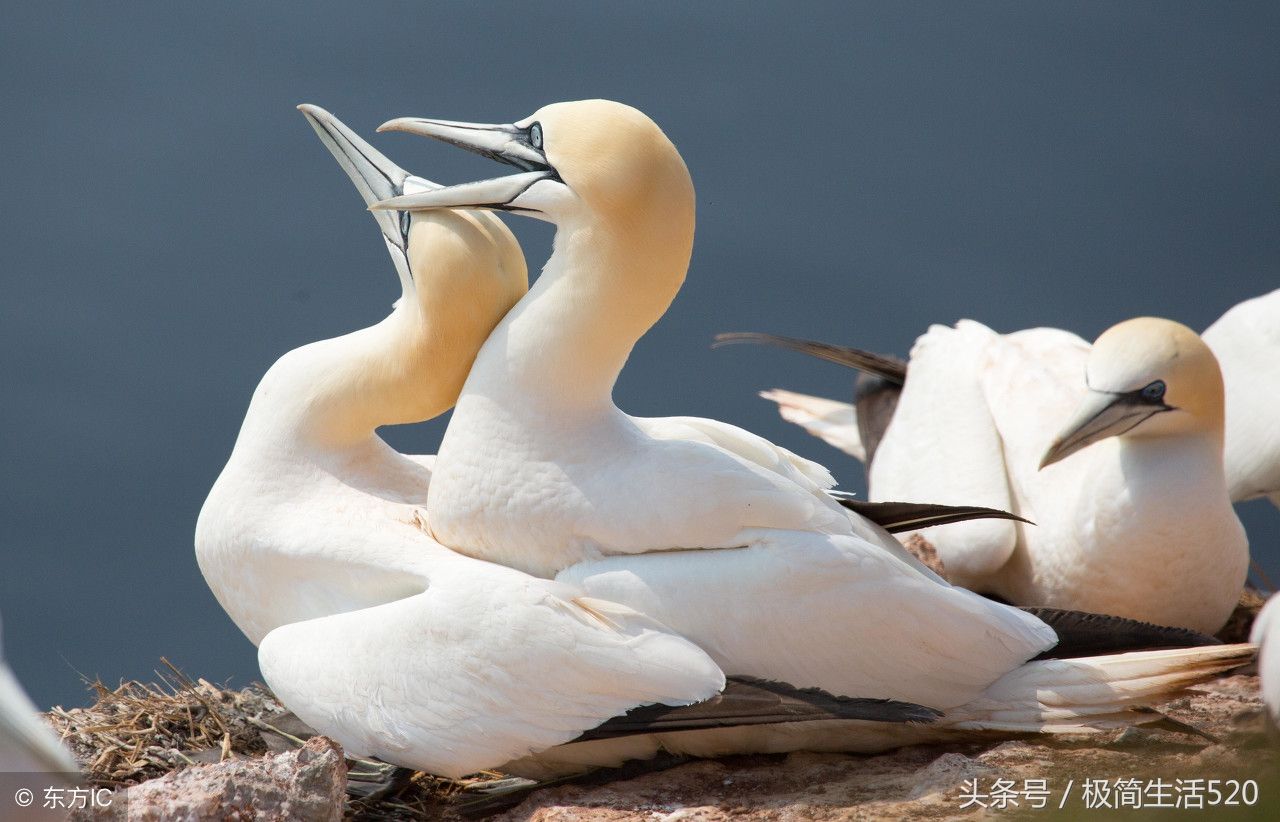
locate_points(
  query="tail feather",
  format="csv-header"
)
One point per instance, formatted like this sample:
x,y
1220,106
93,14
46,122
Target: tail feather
x,y
1092,693
831,421
887,366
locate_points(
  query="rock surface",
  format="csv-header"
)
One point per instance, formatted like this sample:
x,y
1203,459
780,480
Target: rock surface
x,y
135,732
306,785
942,782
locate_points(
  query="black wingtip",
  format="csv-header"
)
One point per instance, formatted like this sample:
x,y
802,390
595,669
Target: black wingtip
x,y
1081,633
883,365
896,517
749,701
842,707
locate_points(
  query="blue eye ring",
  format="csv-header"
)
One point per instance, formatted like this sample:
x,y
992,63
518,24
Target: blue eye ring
x,y
1154,391
535,135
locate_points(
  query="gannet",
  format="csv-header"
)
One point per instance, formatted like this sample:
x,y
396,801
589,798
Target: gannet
x,y
1266,635
1139,525
288,529
27,744
313,539
1246,341
717,536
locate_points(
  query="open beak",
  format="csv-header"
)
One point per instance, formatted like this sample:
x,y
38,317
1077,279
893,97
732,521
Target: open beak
x,y
1101,415
374,176
519,146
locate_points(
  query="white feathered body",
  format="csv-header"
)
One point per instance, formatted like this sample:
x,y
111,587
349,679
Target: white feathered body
x,y
1246,341
1135,527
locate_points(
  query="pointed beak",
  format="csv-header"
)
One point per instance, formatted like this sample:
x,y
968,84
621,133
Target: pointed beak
x,y
1101,415
373,175
510,144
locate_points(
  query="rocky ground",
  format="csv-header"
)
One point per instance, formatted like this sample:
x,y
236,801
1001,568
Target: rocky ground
x,y
187,749
198,752
1024,777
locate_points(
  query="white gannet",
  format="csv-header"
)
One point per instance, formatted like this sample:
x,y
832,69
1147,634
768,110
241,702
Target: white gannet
x,y
27,744
1246,341
368,629
693,522
1266,635
1139,525
288,529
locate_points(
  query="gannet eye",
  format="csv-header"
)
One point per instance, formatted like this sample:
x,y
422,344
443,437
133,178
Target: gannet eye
x,y
1154,392
535,135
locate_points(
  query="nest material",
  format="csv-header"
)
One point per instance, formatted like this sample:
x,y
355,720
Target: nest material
x,y
138,731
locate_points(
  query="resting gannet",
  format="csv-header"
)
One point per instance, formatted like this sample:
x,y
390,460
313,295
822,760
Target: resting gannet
x,y
313,539
1139,525
1246,341
27,744
1266,635
715,536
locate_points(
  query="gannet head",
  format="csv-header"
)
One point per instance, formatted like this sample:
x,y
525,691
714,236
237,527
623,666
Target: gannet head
x,y
377,179
1147,377
577,160
460,272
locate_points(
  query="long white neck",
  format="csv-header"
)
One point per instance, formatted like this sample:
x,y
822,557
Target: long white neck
x,y
563,346
334,393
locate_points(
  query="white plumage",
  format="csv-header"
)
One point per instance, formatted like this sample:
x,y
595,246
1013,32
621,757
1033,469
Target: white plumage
x,y
1246,341
27,744
722,536
1266,635
1138,524
312,538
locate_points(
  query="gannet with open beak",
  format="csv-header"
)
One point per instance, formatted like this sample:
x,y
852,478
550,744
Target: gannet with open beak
x,y
287,532
1246,341
27,744
541,472
1138,525
378,636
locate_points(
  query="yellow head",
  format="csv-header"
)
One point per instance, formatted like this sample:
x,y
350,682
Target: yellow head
x,y
589,161
468,271
1147,377
460,273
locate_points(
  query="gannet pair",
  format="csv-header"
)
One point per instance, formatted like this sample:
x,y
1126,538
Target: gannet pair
x,y
1138,523
312,539
728,540
27,744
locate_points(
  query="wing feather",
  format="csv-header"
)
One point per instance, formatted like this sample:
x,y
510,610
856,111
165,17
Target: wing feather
x,y
484,666
943,447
